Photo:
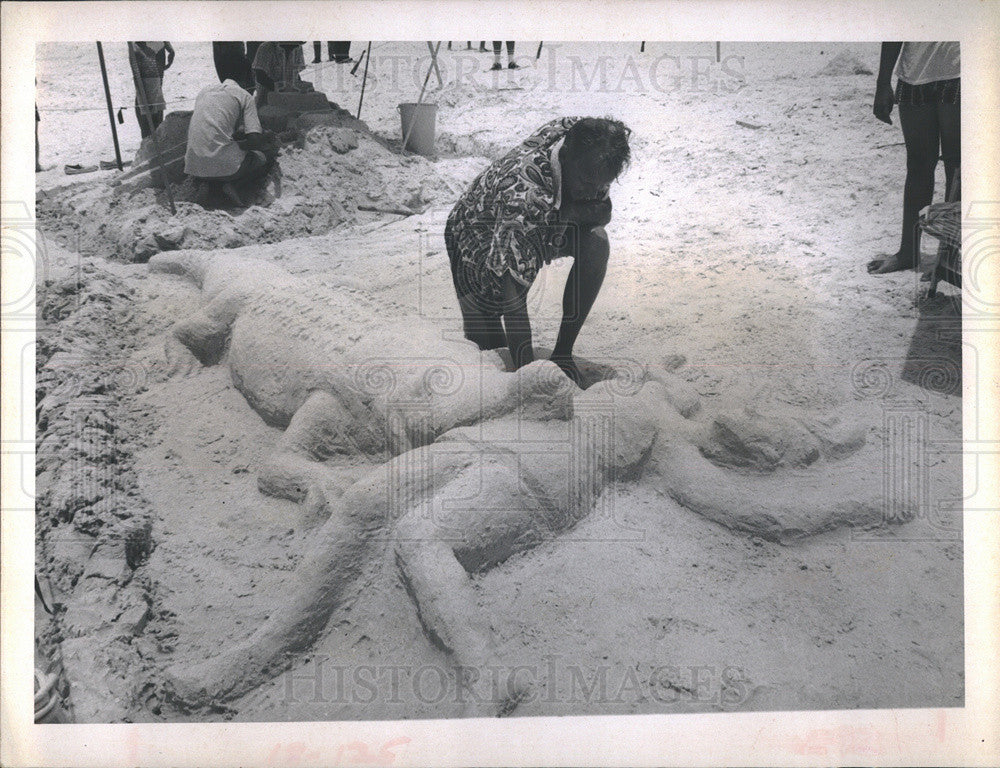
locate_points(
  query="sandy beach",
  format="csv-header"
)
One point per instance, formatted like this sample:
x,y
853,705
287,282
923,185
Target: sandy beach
x,y
760,186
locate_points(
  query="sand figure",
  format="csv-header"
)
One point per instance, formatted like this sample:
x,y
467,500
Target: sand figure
x,y
459,475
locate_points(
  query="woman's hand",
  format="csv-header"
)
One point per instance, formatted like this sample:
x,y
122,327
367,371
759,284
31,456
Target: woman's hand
x,y
170,55
884,100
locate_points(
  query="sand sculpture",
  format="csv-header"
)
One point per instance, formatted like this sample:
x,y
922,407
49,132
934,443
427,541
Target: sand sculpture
x,y
399,437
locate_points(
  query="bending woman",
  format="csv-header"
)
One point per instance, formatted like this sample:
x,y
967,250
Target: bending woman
x,y
927,91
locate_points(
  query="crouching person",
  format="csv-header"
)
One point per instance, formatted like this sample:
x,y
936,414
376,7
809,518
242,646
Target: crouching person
x,y
547,198
226,144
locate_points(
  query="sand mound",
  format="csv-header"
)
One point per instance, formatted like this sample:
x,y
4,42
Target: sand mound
x,y
94,527
844,63
328,175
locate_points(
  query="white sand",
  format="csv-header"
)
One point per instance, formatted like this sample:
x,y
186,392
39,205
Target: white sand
x,y
742,249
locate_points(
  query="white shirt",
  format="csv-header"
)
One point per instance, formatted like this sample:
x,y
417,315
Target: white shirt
x,y
921,63
219,111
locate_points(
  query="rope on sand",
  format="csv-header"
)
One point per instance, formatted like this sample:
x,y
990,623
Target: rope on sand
x,y
103,107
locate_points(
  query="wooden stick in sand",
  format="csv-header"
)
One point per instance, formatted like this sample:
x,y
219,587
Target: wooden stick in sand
x,y
111,111
364,78
397,211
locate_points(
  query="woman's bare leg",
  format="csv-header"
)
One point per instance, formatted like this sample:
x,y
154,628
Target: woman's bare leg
x,y
922,135
485,329
950,128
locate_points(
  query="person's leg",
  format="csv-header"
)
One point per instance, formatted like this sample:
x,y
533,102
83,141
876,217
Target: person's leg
x,y
219,52
921,134
254,165
950,128
158,102
202,191
949,125
479,325
340,51
480,319
496,54
516,324
511,64
317,52
142,117
582,286
250,168
150,105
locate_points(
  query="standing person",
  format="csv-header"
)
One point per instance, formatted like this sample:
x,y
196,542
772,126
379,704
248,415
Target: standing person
x,y
544,199
928,92
511,64
225,143
276,67
152,59
230,57
339,52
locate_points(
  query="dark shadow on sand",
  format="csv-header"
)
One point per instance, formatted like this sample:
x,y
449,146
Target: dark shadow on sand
x,y
934,359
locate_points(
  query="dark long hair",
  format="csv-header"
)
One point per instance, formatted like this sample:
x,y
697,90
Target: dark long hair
x,y
603,141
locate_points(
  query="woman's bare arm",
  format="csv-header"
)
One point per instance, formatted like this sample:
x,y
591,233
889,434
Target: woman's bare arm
x,y
882,108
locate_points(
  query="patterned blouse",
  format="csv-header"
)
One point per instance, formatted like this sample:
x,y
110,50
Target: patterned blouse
x,y
508,219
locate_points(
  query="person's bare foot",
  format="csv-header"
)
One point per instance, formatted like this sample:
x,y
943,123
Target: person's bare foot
x,y
893,263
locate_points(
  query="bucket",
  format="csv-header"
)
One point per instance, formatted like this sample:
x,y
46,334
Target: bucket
x,y
418,121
